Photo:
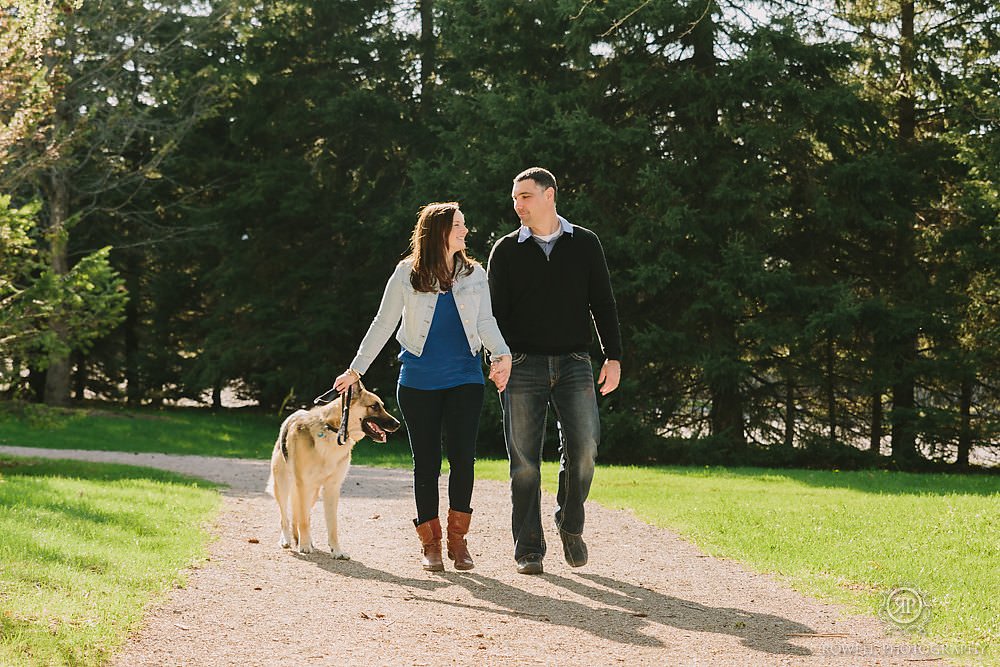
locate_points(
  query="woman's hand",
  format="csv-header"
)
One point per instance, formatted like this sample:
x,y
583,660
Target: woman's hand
x,y
500,371
345,380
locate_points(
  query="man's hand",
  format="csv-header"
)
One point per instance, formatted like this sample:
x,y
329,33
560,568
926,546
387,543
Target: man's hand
x,y
500,371
611,375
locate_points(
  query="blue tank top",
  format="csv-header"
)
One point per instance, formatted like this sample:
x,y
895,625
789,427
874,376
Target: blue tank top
x,y
446,360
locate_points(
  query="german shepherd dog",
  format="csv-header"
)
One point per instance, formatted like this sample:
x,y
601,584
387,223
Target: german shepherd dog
x,y
313,452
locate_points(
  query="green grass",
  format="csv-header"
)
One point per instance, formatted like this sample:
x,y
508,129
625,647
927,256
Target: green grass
x,y
83,549
848,536
233,433
238,434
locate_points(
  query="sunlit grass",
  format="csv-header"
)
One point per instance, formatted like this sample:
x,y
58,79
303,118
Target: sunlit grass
x,y
848,536
83,549
232,433
240,434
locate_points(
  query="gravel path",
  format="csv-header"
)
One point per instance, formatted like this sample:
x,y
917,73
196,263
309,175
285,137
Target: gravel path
x,y
646,597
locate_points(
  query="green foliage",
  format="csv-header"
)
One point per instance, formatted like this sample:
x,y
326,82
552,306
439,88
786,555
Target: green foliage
x,y
799,207
83,547
89,300
304,170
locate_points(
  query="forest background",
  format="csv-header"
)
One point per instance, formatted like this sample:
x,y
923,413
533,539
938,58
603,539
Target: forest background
x,y
798,202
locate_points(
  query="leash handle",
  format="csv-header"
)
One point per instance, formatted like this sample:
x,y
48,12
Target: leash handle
x,y
325,398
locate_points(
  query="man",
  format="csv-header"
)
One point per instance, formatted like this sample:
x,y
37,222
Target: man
x,y
547,280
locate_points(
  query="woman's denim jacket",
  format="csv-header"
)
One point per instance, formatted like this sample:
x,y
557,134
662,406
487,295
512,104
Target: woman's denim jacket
x,y
416,309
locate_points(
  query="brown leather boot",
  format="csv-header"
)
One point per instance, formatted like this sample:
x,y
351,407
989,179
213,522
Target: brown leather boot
x,y
429,533
458,550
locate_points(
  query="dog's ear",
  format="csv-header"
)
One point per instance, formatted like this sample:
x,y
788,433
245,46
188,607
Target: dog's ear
x,y
361,388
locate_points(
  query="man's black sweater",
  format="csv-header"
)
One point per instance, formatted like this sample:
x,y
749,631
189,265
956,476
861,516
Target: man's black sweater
x,y
544,304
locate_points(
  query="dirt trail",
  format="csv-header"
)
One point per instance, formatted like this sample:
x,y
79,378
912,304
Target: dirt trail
x,y
646,597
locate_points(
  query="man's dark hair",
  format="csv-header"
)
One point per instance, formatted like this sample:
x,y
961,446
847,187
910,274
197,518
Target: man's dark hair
x,y
541,176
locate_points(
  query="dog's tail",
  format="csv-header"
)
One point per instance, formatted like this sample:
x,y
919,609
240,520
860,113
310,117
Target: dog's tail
x,y
283,433
283,438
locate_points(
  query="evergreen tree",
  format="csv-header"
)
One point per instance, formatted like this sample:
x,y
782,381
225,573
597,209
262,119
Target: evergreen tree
x,y
310,163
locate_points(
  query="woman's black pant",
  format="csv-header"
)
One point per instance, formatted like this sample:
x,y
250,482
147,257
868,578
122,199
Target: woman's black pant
x,y
433,416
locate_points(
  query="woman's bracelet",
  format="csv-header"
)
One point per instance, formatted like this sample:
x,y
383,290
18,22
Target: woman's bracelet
x,y
354,373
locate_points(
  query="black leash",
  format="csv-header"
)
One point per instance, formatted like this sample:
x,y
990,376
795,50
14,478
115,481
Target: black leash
x,y
345,409
345,412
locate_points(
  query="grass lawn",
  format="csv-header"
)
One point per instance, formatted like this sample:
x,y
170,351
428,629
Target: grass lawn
x,y
232,433
237,433
848,536
84,548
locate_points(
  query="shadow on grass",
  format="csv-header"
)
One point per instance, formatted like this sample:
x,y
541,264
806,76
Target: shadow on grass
x,y
92,471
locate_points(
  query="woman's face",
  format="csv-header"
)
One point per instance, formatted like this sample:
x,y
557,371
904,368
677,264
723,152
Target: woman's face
x,y
456,238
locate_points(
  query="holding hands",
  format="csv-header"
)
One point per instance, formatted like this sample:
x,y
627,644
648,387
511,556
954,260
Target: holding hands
x,y
500,371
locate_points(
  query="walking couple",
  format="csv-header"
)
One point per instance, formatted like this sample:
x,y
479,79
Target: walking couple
x,y
532,311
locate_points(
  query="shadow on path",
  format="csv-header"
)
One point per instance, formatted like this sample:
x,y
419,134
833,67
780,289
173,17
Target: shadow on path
x,y
358,570
621,613
762,632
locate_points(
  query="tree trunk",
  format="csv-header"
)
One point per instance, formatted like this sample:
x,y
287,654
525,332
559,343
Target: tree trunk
x,y
875,441
831,393
906,106
133,386
217,396
726,413
789,413
36,385
904,436
57,377
904,431
79,375
428,57
965,428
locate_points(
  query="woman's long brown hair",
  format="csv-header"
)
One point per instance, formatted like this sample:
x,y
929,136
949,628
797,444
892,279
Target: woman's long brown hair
x,y
427,248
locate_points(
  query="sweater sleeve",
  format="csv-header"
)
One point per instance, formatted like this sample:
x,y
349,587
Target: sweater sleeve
x,y
489,332
603,306
499,286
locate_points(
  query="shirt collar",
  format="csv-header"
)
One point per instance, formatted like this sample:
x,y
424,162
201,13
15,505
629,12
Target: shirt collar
x,y
524,233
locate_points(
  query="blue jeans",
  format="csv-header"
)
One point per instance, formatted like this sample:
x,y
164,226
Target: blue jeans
x,y
566,382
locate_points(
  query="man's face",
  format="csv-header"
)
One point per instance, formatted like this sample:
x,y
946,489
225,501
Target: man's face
x,y
531,200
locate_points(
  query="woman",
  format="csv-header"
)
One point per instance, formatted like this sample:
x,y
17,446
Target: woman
x,y
442,297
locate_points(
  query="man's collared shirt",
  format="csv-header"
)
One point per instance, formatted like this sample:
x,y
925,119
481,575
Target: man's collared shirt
x,y
524,233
